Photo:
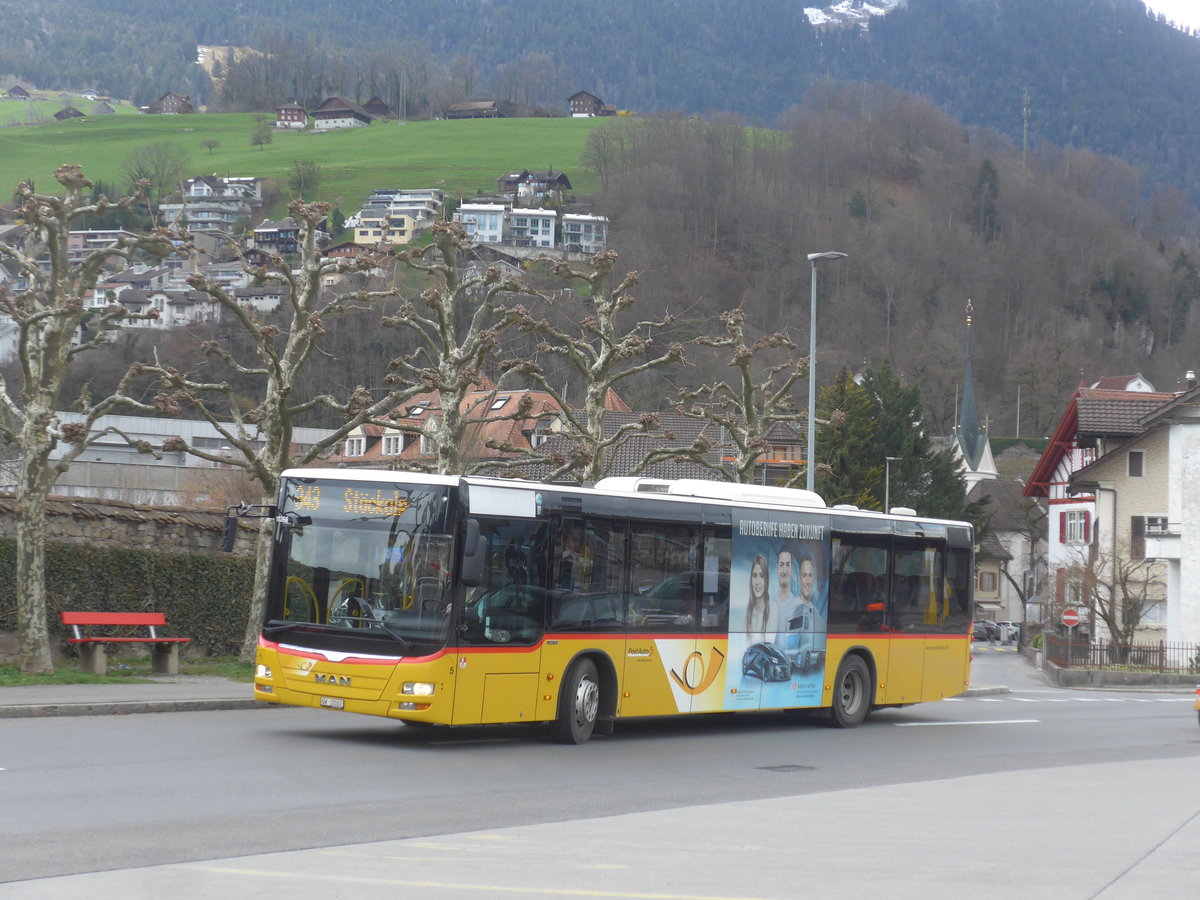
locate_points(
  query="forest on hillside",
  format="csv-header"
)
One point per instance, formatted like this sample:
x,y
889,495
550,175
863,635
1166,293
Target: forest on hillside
x,y
1100,74
1074,270
1072,273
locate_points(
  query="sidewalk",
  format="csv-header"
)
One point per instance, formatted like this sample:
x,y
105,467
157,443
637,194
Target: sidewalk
x,y
183,693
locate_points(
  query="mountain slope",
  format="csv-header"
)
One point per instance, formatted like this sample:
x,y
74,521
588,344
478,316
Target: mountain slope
x,y
1102,74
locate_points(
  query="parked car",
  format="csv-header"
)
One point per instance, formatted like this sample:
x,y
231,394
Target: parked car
x,y
986,630
1009,631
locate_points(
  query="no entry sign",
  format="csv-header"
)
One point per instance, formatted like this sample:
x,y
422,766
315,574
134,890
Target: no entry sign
x,y
1070,617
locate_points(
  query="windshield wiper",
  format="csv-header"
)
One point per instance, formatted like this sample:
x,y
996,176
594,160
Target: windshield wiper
x,y
405,643
281,626
277,627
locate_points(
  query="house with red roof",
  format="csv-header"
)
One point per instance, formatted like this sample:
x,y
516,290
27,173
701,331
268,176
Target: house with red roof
x,y
1103,474
404,444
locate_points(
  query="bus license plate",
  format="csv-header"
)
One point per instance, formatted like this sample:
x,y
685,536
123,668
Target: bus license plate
x,y
333,703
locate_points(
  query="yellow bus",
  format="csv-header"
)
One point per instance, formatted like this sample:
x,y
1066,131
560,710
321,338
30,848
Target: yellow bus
x,y
444,600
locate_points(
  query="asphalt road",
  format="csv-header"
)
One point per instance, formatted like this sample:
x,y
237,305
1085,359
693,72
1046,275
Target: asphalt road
x,y
215,790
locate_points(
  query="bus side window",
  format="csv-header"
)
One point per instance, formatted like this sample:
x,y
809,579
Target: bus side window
x,y
957,605
509,606
859,594
663,560
588,559
714,580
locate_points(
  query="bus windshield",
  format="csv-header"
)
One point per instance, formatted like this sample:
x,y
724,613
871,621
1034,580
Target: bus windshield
x,y
365,560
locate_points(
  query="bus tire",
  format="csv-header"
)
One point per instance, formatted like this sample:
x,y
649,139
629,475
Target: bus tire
x,y
578,704
851,694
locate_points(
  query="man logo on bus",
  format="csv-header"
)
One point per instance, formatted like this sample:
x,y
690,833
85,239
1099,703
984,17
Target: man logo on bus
x,y
339,680
697,677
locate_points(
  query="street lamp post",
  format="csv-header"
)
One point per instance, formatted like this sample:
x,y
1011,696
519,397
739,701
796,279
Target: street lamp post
x,y
887,481
811,445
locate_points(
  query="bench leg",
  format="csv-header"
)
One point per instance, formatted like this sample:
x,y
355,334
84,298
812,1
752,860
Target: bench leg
x,y
93,659
165,659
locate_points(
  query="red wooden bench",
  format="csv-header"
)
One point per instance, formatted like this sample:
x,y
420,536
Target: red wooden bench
x,y
164,651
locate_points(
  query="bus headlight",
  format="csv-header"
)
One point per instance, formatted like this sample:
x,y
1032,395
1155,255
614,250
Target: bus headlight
x,y
418,688
261,671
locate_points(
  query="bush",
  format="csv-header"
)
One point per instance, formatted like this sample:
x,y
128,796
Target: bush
x,y
205,596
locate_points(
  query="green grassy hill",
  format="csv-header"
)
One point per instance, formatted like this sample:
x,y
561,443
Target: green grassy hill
x,y
462,157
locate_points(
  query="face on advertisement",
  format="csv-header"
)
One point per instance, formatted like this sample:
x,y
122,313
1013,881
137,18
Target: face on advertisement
x,y
807,579
758,579
783,570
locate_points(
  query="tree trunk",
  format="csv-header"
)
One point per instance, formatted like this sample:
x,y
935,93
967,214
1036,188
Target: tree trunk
x,y
258,594
31,567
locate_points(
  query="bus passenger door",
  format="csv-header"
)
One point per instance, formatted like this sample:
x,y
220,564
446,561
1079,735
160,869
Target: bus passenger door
x,y
586,575
498,658
947,651
916,580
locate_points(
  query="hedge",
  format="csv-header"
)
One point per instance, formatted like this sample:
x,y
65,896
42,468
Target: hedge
x,y
205,596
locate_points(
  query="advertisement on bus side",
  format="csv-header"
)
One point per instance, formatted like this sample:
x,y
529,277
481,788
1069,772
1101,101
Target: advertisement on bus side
x,y
778,611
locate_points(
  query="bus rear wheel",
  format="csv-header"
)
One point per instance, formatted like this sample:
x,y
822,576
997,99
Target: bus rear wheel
x,y
578,704
851,694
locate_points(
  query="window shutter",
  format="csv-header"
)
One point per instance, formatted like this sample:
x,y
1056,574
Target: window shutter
x,y
1060,584
1062,527
1087,527
1137,537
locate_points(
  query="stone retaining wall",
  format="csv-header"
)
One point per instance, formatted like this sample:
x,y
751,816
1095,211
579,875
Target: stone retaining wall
x,y
113,523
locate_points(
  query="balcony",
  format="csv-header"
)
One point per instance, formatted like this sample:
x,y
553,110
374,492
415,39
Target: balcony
x,y
1164,541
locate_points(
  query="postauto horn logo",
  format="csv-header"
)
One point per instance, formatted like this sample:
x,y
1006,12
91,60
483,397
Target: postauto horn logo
x,y
698,676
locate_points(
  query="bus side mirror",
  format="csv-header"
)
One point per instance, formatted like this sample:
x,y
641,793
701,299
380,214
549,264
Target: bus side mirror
x,y
474,551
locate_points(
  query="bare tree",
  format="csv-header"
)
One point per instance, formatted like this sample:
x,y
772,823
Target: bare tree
x,y
261,433
458,321
160,166
604,356
1119,587
1030,518
210,144
53,328
304,179
745,410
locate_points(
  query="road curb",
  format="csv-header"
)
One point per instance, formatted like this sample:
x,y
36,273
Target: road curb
x,y
125,707
985,691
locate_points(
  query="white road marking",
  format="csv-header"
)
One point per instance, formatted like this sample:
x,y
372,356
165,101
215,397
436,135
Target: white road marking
x,y
979,722
1008,698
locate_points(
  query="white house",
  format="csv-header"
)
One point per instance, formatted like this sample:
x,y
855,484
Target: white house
x,y
584,233
110,469
531,227
420,204
484,222
1154,490
337,112
214,203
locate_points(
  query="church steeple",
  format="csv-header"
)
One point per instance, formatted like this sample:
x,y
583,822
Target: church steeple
x,y
971,438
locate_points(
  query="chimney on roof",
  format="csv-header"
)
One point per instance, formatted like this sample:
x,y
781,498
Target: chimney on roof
x,y
1190,378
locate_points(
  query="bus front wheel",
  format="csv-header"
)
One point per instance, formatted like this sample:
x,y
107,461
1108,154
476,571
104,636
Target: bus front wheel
x,y
578,704
851,693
